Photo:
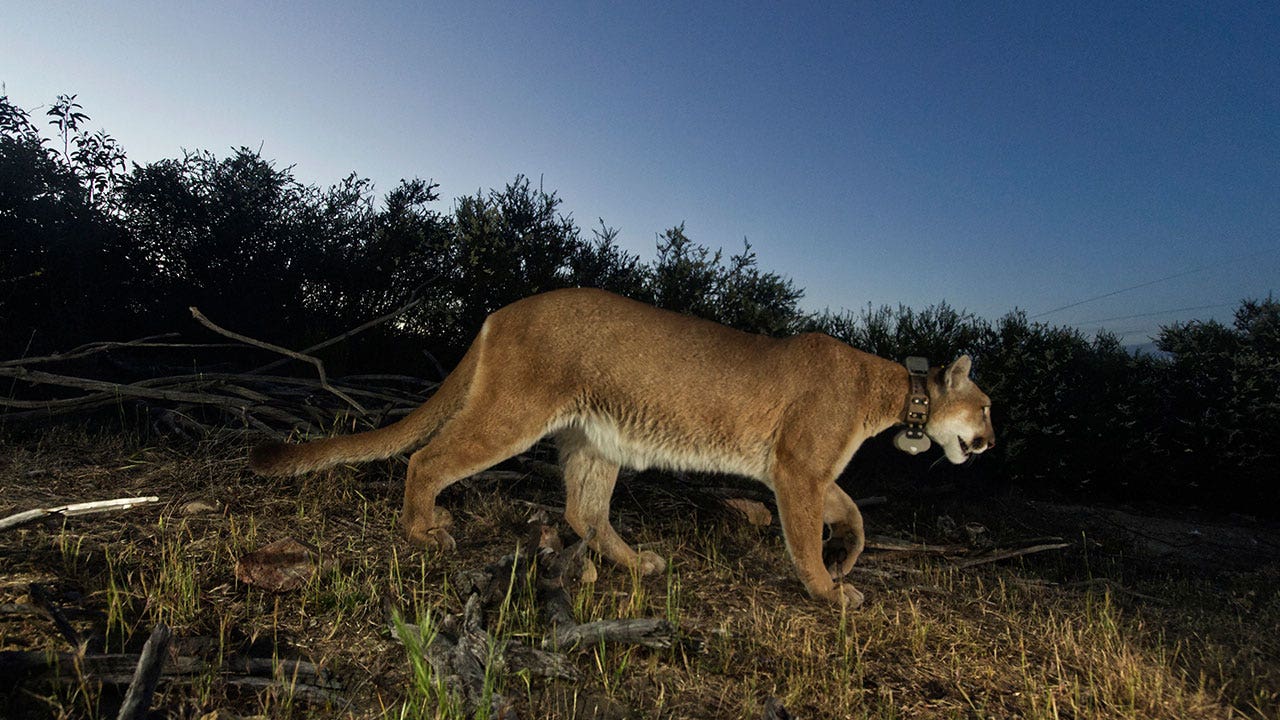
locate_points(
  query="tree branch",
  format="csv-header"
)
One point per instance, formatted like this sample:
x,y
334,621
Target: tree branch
x,y
324,378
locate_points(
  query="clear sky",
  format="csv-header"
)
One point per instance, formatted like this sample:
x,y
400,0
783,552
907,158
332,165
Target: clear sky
x,y
993,155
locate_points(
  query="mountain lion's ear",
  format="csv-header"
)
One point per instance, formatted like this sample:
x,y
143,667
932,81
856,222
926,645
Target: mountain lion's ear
x,y
957,373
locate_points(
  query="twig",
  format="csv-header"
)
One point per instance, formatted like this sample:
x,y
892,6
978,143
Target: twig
x,y
971,562
904,546
1114,586
413,302
83,508
40,595
324,378
137,700
116,389
85,350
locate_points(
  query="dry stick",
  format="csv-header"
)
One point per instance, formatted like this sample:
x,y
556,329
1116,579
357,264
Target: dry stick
x,y
354,331
324,378
118,668
109,396
880,542
40,595
137,700
103,397
45,414
1010,554
83,508
84,350
116,389
650,632
51,406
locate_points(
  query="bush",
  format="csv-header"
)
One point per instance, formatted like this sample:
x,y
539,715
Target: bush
x,y
91,250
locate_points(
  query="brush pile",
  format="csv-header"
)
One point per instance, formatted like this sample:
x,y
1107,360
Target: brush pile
x,y
198,402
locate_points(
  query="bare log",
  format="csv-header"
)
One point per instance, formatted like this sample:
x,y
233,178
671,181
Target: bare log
x,y
109,669
539,663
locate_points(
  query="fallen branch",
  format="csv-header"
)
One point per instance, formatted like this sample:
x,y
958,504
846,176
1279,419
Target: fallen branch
x,y
86,350
1005,555
413,302
83,508
41,596
324,379
654,633
109,390
893,548
299,678
137,699
462,656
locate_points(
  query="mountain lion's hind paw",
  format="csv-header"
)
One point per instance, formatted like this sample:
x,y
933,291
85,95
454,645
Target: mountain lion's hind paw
x,y
650,563
439,540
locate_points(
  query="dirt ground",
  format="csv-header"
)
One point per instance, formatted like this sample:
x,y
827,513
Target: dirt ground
x,y
1142,615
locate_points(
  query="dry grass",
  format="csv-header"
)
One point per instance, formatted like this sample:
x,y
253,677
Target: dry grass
x,y
1029,639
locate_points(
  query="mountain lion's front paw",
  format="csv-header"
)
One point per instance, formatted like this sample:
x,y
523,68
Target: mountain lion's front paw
x,y
436,539
650,563
847,596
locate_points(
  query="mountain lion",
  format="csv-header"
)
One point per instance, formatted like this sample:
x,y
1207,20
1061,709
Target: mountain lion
x,y
617,382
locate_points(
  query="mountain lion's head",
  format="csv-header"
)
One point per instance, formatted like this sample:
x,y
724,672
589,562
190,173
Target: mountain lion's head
x,y
959,412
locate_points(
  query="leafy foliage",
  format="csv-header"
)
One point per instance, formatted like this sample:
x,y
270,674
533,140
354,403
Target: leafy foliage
x,y
91,249
693,279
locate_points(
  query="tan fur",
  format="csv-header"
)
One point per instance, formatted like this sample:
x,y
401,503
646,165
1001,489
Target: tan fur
x,y
617,382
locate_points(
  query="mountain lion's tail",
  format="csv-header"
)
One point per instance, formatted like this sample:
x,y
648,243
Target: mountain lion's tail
x,y
277,458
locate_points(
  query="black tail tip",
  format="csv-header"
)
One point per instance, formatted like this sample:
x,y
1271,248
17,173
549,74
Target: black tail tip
x,y
268,458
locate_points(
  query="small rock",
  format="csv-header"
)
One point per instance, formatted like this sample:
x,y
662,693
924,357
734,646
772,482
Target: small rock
x,y
199,507
282,566
947,527
977,535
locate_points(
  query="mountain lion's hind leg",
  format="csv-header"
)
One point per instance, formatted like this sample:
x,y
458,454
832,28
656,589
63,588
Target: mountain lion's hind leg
x,y
466,444
589,480
842,549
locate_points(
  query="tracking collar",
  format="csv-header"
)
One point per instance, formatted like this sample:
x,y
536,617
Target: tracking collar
x,y
912,439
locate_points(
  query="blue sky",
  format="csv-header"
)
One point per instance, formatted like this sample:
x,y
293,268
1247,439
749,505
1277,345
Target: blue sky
x,y
993,155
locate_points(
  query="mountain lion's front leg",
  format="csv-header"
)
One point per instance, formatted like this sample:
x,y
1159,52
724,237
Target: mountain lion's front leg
x,y
847,540
801,504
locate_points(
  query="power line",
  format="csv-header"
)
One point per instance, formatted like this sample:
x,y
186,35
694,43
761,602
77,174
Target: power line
x,y
1153,314
1153,282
